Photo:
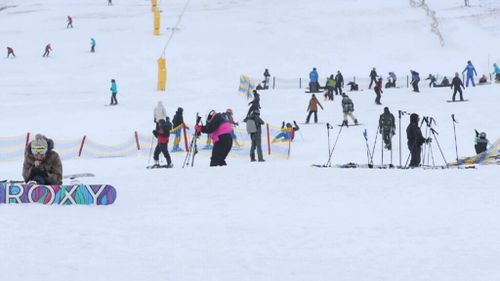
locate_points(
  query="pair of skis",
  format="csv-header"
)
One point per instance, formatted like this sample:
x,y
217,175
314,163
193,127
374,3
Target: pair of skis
x,y
193,147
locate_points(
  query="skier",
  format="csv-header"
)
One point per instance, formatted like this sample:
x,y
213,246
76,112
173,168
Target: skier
x,y
471,71
110,2
373,77
387,127
177,121
42,164
415,78
331,84
229,117
313,81
457,85
432,80
255,103
48,48
339,83
481,142
287,132
392,79
348,109
496,71
219,130
353,86
313,108
415,140
444,83
159,113
254,128
266,79
10,51
378,91
162,133
114,91
483,79
70,22
92,45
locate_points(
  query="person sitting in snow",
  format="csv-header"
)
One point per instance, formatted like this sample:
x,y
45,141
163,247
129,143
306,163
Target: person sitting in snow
x,y
287,132
42,164
483,79
481,143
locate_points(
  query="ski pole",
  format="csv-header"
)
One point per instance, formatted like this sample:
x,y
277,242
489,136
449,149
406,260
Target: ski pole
x,y
368,156
374,143
333,148
328,134
455,134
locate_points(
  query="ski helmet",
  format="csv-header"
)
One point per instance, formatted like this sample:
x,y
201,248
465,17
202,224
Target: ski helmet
x,y
482,135
229,110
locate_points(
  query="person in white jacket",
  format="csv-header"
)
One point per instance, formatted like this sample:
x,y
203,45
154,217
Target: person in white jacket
x,y
160,113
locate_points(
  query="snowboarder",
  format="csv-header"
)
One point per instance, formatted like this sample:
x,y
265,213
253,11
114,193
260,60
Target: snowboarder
x,y
313,81
353,86
92,45
178,125
70,22
481,142
391,80
255,103
331,85
48,48
378,90
229,117
266,79
287,132
415,140
313,108
471,71
10,51
162,133
387,127
496,71
42,164
219,130
339,83
348,109
415,78
159,113
457,85
114,91
432,80
373,77
254,128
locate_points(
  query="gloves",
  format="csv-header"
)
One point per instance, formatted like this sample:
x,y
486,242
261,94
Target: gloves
x,y
197,129
283,124
428,140
295,123
477,133
155,133
37,172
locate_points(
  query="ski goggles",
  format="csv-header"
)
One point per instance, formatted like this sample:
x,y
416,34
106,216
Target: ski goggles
x,y
38,149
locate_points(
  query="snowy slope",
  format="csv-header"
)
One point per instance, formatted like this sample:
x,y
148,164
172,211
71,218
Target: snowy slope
x,y
280,219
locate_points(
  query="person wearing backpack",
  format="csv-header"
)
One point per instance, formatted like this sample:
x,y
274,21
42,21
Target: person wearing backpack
x,y
254,128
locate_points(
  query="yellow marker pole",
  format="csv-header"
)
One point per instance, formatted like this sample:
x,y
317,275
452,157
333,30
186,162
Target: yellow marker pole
x,y
154,5
162,74
156,22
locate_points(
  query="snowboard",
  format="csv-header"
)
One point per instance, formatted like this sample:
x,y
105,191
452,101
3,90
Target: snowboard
x,y
79,175
457,100
312,123
158,167
309,92
71,194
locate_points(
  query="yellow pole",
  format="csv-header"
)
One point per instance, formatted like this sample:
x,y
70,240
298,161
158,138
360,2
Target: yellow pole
x,y
156,22
162,74
154,5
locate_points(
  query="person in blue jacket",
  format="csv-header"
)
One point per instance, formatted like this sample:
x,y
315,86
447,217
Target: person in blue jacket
x,y
471,71
114,91
497,72
313,80
92,45
415,78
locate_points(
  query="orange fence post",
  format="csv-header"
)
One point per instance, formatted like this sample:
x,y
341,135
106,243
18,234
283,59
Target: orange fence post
x,y
137,141
81,146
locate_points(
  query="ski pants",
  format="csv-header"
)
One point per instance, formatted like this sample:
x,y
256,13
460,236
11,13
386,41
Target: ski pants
x,y
471,78
113,99
387,136
221,150
415,86
379,96
338,89
415,151
92,48
256,144
350,115
373,79
315,116
163,148
459,90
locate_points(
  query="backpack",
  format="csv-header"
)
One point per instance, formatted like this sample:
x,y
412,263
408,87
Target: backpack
x,y
251,126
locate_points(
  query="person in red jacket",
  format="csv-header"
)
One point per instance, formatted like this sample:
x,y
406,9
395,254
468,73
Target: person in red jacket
x,y
70,22
162,134
10,51
48,48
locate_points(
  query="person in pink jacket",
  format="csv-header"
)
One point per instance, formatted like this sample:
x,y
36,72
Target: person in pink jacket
x,y
219,130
